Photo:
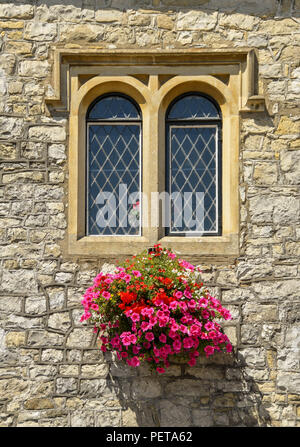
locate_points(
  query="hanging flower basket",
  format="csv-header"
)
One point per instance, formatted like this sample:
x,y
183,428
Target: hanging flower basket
x,y
155,307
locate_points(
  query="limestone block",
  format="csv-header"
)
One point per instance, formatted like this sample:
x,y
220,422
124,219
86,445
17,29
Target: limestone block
x,y
287,126
23,177
11,281
187,387
11,127
95,388
202,418
265,173
196,20
8,151
290,165
80,338
95,371
34,69
52,355
145,388
47,133
253,357
249,270
66,385
164,21
129,418
238,21
60,321
39,338
78,32
15,339
38,403
11,387
172,415
139,19
40,31
35,305
288,381
17,11
108,16
57,152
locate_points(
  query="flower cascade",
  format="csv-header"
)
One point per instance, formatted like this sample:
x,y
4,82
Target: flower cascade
x,y
153,307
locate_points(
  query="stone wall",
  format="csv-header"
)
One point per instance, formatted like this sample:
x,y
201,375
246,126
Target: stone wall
x,y
51,372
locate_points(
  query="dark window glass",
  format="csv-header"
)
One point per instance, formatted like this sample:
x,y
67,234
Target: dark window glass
x,y
193,161
114,167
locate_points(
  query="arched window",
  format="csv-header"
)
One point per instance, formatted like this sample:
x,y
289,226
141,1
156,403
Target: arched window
x,y
193,166
113,166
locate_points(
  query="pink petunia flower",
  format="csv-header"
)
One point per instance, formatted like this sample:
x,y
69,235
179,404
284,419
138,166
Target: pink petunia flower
x,y
162,338
149,336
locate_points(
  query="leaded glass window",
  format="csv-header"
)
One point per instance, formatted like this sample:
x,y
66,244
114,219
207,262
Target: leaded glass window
x,y
193,162
113,167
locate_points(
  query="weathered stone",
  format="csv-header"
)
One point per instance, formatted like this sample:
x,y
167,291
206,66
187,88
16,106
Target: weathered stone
x,y
265,173
11,281
34,69
290,165
15,339
172,415
145,388
87,32
80,338
40,31
60,321
238,21
108,16
287,126
17,12
38,404
164,21
196,20
66,386
10,127
47,133
35,305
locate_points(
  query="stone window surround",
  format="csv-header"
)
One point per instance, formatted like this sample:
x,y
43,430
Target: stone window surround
x,y
154,79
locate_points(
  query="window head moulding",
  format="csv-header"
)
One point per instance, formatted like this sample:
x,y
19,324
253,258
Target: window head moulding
x,y
238,68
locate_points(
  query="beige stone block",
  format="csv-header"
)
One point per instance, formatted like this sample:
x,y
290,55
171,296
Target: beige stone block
x,y
94,371
40,31
14,35
10,387
17,11
15,339
87,33
8,151
36,69
164,21
129,418
238,21
47,133
69,370
23,177
226,400
265,173
139,19
38,404
287,126
278,27
108,16
11,24
196,20
7,63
